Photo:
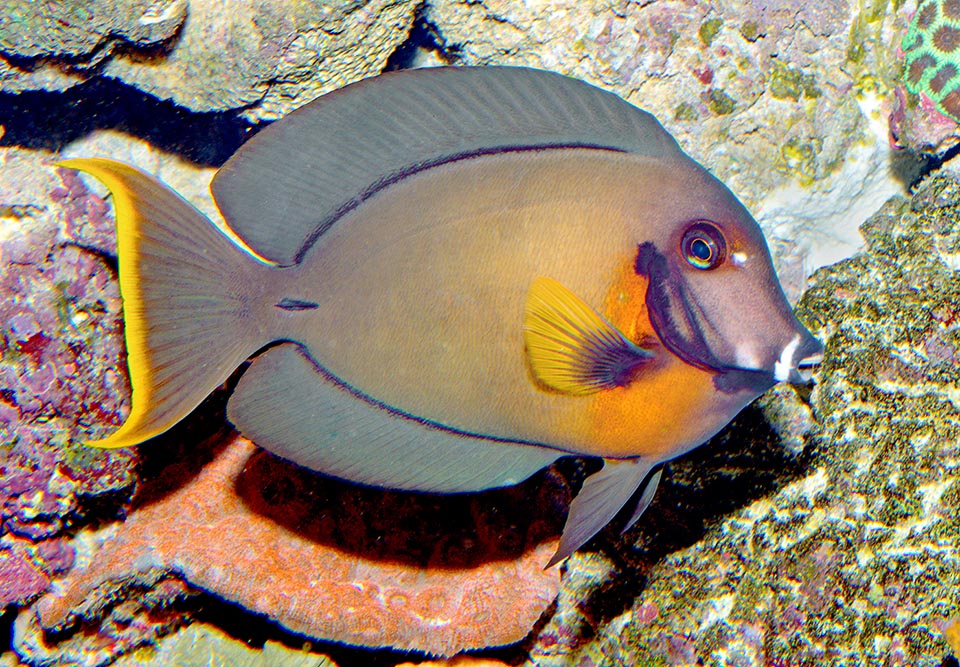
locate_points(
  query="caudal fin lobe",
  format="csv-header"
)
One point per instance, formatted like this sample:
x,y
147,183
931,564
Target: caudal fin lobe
x,y
185,298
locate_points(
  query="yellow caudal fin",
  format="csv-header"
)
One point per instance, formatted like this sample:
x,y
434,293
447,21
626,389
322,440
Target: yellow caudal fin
x,y
570,347
185,306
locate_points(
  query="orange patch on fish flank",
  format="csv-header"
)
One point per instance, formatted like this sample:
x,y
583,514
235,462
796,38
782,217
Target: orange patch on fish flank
x,y
654,414
951,632
657,409
626,305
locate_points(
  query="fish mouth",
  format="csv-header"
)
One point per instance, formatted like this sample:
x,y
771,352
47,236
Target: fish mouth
x,y
807,366
797,362
777,349
798,359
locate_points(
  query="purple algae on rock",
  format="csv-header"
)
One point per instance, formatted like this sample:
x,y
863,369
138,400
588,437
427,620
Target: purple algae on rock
x,y
60,369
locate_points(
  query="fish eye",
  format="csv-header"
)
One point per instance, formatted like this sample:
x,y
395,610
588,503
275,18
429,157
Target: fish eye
x,y
703,246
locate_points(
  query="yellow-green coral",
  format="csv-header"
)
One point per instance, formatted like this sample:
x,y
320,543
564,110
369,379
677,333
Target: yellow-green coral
x,y
720,103
709,30
932,50
789,82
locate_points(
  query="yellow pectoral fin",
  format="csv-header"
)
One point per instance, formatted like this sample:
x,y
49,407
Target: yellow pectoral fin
x,y
570,347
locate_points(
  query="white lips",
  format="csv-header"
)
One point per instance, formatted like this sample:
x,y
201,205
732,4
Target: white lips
x,y
783,366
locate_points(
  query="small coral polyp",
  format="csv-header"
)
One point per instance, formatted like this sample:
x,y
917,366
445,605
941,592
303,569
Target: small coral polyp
x,y
932,50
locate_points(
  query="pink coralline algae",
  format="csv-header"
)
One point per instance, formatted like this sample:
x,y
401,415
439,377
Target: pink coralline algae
x,y
21,577
323,558
59,348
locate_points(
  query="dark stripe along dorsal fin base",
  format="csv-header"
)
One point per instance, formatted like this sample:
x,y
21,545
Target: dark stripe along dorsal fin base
x,y
289,183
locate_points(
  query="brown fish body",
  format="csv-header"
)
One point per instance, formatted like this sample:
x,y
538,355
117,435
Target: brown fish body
x,y
451,308
425,313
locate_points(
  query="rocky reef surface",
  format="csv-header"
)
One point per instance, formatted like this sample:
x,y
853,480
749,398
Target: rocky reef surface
x,y
816,529
852,559
59,376
260,58
782,101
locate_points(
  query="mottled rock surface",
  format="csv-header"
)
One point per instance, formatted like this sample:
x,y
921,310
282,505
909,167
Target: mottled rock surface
x,y
264,58
781,101
854,561
201,645
765,94
60,347
69,28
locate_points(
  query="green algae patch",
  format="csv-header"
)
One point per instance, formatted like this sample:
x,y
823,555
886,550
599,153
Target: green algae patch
x,y
750,31
708,31
686,112
799,157
787,82
720,103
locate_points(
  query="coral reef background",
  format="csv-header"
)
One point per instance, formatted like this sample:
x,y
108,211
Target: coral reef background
x,y
819,528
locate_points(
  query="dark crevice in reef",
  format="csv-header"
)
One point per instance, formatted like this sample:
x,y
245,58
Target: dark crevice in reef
x,y
50,120
6,628
927,164
173,458
424,36
743,463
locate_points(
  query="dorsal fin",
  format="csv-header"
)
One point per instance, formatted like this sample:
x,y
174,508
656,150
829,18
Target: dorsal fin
x,y
290,182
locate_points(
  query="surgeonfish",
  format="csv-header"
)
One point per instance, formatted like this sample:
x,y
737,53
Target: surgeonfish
x,y
457,276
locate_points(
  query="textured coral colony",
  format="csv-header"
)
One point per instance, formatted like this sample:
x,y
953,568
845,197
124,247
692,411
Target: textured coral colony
x,y
819,528
932,48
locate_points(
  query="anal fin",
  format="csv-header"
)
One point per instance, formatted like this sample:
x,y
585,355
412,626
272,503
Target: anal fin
x,y
287,405
646,497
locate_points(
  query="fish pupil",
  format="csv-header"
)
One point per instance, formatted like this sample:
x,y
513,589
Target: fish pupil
x,y
701,250
703,246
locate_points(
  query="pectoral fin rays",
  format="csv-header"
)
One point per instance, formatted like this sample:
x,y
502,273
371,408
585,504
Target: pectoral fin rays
x,y
570,347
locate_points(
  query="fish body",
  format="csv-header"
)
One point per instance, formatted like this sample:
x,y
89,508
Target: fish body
x,y
430,320
450,305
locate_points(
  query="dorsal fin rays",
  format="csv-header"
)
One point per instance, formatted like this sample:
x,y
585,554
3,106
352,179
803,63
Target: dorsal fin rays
x,y
294,179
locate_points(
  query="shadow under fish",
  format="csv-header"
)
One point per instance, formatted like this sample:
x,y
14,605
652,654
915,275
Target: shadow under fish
x,y
421,530
453,277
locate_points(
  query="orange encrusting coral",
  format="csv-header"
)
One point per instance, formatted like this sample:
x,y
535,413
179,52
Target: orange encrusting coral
x,y
247,527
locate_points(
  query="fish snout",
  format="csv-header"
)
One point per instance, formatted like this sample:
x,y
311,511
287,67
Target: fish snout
x,y
798,359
